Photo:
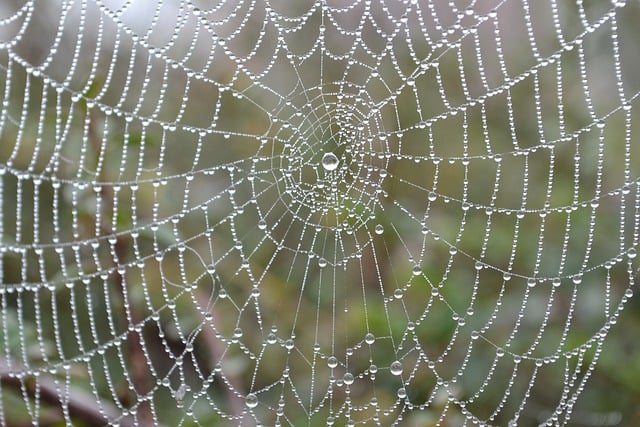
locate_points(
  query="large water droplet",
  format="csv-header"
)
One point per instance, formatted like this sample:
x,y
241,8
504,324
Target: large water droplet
x,y
288,344
402,393
332,362
396,368
348,378
369,338
251,400
330,161
271,338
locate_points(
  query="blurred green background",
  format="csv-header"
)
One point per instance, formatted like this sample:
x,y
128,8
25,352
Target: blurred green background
x,y
134,261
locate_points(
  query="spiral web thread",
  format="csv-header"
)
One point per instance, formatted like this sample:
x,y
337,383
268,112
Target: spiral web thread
x,y
313,212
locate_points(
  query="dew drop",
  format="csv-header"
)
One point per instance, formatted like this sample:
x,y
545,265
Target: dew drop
x,y
330,161
251,401
416,270
332,362
348,378
631,253
402,393
369,338
271,338
396,368
379,229
262,224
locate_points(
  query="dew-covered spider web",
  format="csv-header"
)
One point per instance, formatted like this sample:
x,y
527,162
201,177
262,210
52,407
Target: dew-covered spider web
x,y
315,212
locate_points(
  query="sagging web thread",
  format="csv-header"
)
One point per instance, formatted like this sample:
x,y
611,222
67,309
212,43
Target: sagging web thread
x,y
313,212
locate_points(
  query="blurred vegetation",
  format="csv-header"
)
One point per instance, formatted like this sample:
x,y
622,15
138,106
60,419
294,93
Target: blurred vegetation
x,y
139,308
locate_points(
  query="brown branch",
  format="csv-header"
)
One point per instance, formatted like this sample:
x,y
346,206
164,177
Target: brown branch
x,y
81,405
213,345
139,374
139,371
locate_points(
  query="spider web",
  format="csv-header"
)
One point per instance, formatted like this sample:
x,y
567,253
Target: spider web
x,y
313,212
